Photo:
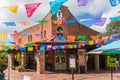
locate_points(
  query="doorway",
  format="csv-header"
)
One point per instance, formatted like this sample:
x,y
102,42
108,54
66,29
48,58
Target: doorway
x,y
60,60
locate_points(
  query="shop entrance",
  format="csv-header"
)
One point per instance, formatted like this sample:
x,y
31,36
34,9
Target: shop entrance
x,y
60,60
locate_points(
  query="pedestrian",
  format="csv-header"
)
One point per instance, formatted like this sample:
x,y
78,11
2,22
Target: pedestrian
x,y
117,65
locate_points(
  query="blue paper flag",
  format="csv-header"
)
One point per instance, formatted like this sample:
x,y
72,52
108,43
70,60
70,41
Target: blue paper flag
x,y
26,34
42,47
9,23
56,5
117,18
61,37
114,2
70,21
115,37
23,49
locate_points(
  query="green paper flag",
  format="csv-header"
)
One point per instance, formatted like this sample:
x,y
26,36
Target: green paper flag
x,y
81,37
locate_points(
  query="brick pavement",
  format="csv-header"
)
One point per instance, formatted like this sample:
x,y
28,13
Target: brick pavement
x,y
14,75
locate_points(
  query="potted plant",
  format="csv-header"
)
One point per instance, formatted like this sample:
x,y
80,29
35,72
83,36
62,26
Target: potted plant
x,y
20,68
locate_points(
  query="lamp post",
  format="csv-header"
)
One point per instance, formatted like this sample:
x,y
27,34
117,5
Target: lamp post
x,y
9,65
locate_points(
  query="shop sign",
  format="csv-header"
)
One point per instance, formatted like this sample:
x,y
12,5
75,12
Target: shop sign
x,y
27,78
72,63
111,61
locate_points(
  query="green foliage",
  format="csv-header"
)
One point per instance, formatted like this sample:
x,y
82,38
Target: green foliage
x,y
18,57
3,61
113,27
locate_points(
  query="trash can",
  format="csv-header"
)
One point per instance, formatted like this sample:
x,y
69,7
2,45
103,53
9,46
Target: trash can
x,y
82,69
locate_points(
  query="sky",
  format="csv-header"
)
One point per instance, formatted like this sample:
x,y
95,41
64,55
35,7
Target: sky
x,y
94,9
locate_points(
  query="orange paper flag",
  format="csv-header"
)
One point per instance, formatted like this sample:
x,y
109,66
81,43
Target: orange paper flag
x,y
94,37
71,38
25,23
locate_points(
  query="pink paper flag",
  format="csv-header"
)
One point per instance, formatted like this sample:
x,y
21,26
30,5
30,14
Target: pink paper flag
x,y
30,8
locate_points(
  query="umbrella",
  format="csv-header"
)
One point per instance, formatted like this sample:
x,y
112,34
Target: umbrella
x,y
110,46
111,52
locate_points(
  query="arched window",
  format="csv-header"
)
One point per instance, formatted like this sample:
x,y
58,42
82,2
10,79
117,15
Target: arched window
x,y
44,33
29,38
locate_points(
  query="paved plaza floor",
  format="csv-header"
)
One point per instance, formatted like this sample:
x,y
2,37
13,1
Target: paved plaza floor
x,y
14,75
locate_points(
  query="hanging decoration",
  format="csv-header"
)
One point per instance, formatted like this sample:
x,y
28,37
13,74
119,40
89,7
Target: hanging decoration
x,y
26,34
30,8
71,38
81,37
117,18
83,2
100,21
25,23
9,23
56,5
42,21
85,19
13,8
38,35
114,2
70,21
3,36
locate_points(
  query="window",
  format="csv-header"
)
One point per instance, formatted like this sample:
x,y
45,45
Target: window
x,y
44,33
29,38
19,41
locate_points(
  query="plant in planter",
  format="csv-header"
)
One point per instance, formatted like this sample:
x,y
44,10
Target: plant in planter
x,y
13,67
20,68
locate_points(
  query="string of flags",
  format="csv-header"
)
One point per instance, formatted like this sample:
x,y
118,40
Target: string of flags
x,y
95,40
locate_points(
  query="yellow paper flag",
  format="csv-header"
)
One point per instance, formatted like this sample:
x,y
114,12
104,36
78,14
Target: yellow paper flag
x,y
14,8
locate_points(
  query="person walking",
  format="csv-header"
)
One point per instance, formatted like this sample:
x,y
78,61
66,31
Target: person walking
x,y
117,65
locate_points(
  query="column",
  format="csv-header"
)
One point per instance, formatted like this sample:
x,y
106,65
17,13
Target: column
x,y
40,58
24,58
10,60
82,59
97,64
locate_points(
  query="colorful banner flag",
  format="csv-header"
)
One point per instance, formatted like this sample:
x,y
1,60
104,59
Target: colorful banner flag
x,y
100,21
30,8
94,37
56,5
25,23
114,2
91,42
58,22
60,38
81,37
38,35
3,36
50,37
42,21
83,2
43,46
71,38
85,19
9,23
117,18
26,34
70,21
30,48
14,8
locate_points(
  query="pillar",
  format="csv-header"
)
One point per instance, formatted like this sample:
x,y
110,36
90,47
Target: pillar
x,y
97,64
10,60
82,59
40,60
24,58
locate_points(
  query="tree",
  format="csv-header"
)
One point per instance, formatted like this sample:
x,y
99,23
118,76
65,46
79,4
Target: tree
x,y
113,27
